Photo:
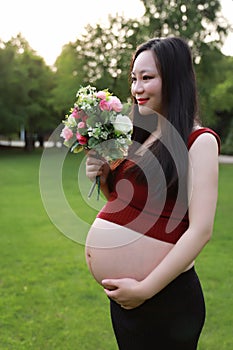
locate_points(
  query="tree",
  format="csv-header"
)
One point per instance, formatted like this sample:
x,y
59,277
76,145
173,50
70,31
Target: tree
x,y
69,75
100,57
200,21
25,90
11,95
221,97
208,76
227,147
223,91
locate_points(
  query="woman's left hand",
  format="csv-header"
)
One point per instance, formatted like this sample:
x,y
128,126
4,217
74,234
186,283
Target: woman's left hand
x,y
127,292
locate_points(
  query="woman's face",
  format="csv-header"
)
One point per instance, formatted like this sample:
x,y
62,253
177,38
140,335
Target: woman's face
x,y
146,84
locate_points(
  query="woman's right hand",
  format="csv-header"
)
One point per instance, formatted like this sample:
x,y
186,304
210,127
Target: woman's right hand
x,y
96,166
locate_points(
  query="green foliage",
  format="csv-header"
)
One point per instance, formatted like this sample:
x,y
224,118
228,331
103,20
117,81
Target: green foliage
x,y
222,92
102,55
227,147
104,51
198,21
209,73
33,95
215,87
25,87
10,93
68,78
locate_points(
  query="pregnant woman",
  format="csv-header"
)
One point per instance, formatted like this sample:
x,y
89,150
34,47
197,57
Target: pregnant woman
x,y
160,209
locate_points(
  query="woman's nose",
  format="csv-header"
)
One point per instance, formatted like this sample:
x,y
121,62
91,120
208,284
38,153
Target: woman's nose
x,y
137,87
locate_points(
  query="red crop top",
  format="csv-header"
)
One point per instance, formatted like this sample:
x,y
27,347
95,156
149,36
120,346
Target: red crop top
x,y
129,205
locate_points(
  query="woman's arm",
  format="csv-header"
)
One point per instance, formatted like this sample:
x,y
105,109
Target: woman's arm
x,y
98,167
203,189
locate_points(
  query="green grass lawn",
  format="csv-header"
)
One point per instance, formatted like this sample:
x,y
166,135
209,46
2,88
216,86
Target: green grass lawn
x,y
48,299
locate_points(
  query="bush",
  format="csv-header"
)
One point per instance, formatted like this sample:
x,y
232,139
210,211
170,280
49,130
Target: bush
x,y
227,147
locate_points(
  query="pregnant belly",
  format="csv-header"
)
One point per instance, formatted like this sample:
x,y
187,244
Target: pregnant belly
x,y
114,251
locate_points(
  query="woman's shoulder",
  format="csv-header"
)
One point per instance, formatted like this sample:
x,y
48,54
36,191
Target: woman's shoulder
x,y
200,131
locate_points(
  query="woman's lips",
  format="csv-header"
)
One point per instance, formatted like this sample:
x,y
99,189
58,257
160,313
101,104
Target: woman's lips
x,y
142,101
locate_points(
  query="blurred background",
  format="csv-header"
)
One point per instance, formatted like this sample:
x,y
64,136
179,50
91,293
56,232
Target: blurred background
x,y
49,49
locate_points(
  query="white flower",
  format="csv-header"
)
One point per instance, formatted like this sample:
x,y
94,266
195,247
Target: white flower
x,y
104,135
71,121
123,124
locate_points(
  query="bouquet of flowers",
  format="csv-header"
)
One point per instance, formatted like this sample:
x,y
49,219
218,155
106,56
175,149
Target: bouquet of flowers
x,y
95,122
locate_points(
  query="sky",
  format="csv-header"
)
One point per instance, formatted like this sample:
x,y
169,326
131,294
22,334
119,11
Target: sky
x,y
49,24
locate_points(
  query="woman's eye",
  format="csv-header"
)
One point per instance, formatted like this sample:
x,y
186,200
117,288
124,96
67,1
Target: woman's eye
x,y
147,77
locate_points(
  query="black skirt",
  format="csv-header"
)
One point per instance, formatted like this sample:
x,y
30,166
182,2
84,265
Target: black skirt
x,y
171,320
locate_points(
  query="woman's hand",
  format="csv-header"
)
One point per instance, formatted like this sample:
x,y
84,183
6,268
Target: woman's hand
x,y
127,292
96,167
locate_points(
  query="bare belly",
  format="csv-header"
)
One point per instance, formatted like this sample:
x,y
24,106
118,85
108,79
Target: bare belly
x,y
113,251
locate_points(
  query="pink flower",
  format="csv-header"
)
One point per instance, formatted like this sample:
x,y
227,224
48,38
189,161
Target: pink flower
x,y
75,113
105,105
101,94
115,103
66,133
81,139
84,117
81,125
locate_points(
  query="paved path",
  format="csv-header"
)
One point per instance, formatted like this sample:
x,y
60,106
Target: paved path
x,y
225,159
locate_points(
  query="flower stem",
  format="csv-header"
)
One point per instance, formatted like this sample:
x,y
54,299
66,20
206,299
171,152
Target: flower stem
x,y
96,182
98,187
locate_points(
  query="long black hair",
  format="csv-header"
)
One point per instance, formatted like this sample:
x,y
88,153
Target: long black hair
x,y
179,107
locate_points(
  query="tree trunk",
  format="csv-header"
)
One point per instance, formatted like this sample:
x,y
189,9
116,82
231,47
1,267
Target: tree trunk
x,y
29,142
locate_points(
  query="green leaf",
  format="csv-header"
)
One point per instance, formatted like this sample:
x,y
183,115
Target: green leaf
x,y
76,148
